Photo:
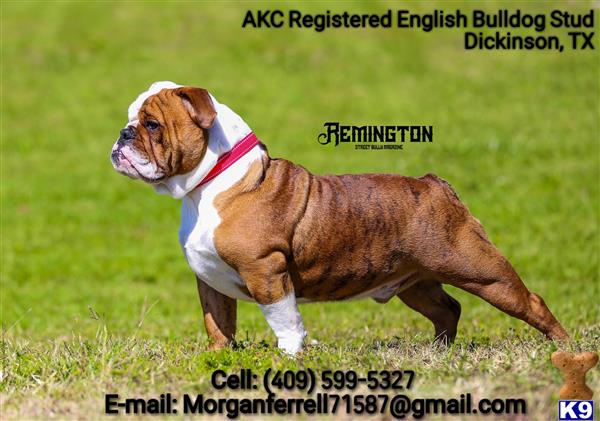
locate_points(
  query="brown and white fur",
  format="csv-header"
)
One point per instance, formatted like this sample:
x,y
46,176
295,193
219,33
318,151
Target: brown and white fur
x,y
267,230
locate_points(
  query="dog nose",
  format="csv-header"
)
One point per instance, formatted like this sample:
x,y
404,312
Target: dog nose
x,y
127,133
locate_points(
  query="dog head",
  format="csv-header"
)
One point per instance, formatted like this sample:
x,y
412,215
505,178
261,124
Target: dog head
x,y
167,133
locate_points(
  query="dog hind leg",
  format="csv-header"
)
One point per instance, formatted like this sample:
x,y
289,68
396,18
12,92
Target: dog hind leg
x,y
430,299
479,268
509,294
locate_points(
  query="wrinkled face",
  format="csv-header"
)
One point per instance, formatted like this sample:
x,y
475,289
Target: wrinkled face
x,y
169,136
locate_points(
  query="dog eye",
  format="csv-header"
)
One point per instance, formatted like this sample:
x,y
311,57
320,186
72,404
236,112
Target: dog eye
x,y
151,125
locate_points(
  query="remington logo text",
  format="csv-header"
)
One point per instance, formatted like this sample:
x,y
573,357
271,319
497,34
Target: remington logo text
x,y
337,133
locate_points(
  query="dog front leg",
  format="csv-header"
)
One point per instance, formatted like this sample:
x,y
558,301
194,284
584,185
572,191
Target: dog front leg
x,y
274,293
285,320
220,315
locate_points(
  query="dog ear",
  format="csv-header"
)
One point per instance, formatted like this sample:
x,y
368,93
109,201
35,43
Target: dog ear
x,y
198,103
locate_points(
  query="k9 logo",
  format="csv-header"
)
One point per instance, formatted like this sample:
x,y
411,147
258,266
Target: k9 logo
x,y
575,410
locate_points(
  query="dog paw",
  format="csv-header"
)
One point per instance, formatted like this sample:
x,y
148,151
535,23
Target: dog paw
x,y
291,343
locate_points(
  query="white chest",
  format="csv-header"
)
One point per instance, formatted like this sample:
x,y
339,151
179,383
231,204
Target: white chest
x,y
199,220
196,237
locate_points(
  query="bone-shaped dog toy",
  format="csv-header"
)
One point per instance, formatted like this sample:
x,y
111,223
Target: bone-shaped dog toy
x,y
574,367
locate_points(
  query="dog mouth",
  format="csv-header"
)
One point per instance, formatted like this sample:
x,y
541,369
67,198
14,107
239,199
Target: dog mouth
x,y
129,167
154,180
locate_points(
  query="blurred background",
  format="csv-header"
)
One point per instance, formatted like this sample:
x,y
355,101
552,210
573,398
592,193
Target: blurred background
x,y
85,250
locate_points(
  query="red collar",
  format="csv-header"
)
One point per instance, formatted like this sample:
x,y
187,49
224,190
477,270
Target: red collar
x,y
231,157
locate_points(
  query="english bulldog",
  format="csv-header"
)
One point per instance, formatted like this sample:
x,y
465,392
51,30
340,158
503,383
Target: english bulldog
x,y
266,230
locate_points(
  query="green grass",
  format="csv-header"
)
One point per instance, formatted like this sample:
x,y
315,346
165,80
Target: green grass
x,y
96,295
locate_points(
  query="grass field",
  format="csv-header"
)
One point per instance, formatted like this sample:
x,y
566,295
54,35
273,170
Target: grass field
x,y
96,295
